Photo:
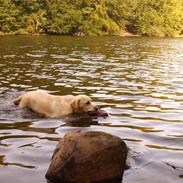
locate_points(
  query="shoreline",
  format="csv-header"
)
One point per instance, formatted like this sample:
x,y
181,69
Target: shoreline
x,y
121,34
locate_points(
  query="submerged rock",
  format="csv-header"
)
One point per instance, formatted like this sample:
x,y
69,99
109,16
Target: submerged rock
x,y
88,157
79,34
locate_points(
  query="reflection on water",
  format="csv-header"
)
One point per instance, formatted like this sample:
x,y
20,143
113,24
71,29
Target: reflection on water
x,y
139,81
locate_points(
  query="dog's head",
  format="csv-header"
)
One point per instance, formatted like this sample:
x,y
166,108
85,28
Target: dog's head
x,y
83,103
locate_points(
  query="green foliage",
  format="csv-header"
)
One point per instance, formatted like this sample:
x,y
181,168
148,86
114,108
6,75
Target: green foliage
x,y
92,17
33,15
21,32
63,17
35,21
96,19
9,16
158,18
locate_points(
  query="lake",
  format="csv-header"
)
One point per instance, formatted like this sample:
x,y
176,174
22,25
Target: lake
x,y
138,81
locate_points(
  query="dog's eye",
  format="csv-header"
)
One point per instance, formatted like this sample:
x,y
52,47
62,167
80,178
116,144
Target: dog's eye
x,y
88,103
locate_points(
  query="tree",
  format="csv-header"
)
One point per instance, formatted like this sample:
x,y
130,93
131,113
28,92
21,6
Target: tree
x,y
92,17
158,18
36,21
63,18
9,16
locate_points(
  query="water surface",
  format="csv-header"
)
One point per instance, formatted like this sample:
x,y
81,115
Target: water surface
x,y
138,81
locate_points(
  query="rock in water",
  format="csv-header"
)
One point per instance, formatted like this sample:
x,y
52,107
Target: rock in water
x,y
88,157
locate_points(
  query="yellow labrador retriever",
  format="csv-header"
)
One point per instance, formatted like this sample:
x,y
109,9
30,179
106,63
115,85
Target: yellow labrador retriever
x,y
55,106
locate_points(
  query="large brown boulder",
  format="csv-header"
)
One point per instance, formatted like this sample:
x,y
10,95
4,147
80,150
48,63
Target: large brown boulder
x,y
88,157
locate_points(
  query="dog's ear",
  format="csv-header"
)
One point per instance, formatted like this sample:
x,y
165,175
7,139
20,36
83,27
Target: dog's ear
x,y
75,104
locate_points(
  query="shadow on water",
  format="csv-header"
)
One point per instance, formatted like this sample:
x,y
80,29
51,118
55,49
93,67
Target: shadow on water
x,y
138,81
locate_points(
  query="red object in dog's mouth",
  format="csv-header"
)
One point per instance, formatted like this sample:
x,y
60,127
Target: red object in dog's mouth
x,y
98,113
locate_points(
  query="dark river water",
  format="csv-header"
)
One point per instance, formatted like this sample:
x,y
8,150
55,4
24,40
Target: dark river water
x,y
138,81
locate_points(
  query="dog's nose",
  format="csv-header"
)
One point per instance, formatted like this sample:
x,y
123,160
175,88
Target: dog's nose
x,y
96,108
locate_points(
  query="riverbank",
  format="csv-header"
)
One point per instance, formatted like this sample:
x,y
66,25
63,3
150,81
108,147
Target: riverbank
x,y
79,34
121,34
